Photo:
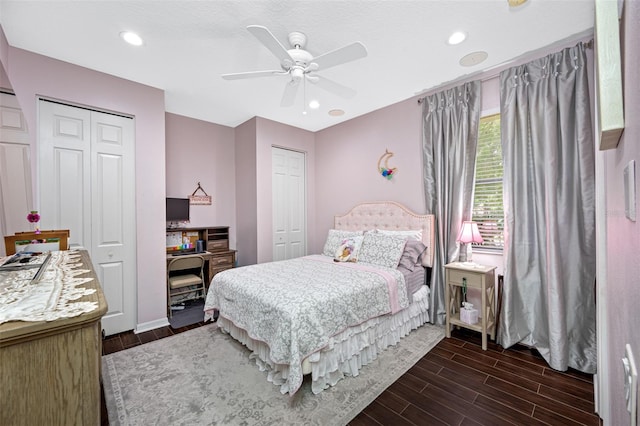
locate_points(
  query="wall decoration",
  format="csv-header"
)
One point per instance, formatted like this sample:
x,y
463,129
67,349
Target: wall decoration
x,y
386,171
203,200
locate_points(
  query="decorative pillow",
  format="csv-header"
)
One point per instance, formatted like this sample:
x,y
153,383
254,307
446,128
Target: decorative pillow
x,y
335,238
412,254
348,250
415,234
382,250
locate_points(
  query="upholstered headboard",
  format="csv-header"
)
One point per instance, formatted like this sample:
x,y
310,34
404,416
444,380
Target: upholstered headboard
x,y
392,216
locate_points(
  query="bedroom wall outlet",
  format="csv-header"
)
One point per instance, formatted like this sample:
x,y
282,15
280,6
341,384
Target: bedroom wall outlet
x,y
630,384
630,190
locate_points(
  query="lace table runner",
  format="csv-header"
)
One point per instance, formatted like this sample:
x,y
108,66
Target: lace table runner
x,y
52,296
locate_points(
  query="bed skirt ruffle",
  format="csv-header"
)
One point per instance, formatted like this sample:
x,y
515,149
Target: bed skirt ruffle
x,y
346,352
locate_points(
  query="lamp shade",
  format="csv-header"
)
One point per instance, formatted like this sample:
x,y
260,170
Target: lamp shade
x,y
469,233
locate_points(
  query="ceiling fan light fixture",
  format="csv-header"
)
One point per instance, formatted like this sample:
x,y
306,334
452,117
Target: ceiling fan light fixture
x,y
297,73
131,38
457,38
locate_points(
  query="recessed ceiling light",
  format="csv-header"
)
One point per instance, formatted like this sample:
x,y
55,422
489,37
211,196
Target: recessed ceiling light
x,y
336,112
473,58
131,38
314,104
457,37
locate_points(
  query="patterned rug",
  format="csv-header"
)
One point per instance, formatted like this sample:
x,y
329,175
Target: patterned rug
x,y
204,377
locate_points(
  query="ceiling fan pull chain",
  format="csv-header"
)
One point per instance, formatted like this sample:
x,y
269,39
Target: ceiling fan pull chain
x,y
304,93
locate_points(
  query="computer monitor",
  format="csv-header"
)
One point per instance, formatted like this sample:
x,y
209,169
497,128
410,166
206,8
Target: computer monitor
x,y
177,209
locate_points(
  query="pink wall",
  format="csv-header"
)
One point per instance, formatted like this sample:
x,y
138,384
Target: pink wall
x,y
254,140
246,193
34,75
623,235
199,151
347,159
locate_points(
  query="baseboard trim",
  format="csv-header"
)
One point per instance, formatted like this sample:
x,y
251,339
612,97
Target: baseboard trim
x,y
151,325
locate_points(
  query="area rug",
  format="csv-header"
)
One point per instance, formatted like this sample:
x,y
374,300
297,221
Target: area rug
x,y
204,377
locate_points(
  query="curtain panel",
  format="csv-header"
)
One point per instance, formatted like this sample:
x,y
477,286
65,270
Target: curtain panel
x,y
450,137
549,197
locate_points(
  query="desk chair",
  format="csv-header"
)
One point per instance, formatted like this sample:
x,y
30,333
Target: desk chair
x,y
185,277
62,236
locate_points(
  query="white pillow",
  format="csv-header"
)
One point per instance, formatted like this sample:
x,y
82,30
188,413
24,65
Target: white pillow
x,y
335,238
383,250
415,234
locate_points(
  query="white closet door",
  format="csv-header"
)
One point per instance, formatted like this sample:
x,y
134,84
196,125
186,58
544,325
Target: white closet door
x,y
87,186
113,217
15,169
289,203
64,151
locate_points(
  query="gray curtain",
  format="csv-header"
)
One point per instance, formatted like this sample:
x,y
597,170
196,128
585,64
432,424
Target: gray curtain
x,y
450,137
549,198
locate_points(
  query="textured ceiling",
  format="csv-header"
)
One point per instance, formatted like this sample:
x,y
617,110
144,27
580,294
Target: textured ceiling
x,y
189,44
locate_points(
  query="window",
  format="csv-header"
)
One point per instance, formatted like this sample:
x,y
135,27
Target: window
x,y
488,210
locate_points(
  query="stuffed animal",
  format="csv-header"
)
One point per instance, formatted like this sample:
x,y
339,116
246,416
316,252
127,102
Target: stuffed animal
x,y
346,252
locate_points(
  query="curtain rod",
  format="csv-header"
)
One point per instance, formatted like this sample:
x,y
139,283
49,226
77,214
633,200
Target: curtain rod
x,y
495,70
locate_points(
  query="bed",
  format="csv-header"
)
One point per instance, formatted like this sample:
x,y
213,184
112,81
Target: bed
x,y
327,315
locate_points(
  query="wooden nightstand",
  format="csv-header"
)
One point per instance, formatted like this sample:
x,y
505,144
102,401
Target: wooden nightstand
x,y
477,276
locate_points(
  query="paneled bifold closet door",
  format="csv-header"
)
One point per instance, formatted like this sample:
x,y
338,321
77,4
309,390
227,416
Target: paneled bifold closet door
x,y
289,203
87,185
15,169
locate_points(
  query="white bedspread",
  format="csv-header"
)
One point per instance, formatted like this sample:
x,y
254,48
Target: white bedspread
x,y
295,306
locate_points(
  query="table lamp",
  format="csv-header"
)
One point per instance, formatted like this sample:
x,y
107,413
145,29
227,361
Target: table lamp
x,y
469,233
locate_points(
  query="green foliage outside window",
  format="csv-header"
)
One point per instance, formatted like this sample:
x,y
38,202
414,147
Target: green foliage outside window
x,y
488,209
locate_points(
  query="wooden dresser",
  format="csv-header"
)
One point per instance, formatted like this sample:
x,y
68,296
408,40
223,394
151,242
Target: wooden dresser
x,y
50,371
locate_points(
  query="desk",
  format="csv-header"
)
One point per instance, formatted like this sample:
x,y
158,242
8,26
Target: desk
x,y
480,277
50,371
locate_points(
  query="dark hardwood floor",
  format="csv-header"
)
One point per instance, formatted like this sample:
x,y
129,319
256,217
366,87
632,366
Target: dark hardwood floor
x,y
457,383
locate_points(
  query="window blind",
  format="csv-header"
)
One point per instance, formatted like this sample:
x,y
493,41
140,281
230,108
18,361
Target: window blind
x,y
488,209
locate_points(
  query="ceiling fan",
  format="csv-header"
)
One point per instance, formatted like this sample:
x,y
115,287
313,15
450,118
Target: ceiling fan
x,y
298,64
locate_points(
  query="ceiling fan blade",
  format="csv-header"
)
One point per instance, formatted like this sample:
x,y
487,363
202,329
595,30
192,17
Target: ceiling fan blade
x,y
252,74
348,53
290,92
270,42
333,87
